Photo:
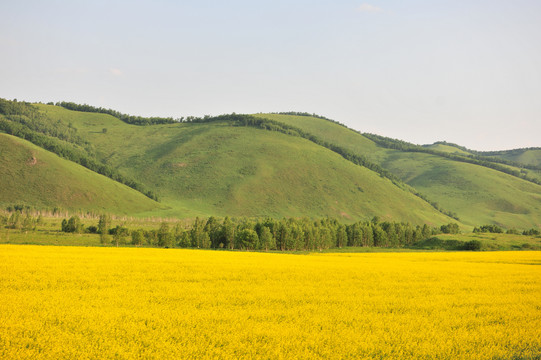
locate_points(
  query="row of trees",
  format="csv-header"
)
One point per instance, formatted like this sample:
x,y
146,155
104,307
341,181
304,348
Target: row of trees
x,y
267,234
21,221
130,119
495,229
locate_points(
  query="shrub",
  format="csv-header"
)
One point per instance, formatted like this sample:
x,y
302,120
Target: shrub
x,y
474,245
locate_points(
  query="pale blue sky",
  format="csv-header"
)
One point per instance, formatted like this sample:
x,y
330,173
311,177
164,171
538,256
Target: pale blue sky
x,y
467,72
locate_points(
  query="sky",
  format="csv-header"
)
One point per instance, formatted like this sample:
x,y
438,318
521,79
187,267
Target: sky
x,y
463,71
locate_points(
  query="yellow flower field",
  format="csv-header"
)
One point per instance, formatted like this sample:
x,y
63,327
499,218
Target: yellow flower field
x,y
123,303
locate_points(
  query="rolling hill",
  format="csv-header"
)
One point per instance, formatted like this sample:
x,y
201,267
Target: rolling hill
x,y
36,177
477,194
281,165
220,169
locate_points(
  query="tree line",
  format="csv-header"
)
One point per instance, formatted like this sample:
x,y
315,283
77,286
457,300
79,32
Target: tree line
x,y
130,119
495,229
288,234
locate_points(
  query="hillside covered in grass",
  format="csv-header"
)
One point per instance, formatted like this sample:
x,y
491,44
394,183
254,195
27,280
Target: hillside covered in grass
x,y
219,169
282,165
35,177
476,194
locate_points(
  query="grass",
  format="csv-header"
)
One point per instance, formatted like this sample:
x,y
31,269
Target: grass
x,y
478,195
490,241
447,148
217,169
72,302
37,177
526,156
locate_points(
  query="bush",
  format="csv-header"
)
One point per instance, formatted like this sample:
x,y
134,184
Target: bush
x,y
495,229
73,225
531,232
474,245
434,243
92,229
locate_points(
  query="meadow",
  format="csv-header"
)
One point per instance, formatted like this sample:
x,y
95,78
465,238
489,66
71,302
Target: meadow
x,y
123,303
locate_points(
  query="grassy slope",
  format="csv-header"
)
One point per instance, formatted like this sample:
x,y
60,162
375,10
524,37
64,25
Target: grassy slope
x,y
31,175
447,149
529,157
216,169
477,194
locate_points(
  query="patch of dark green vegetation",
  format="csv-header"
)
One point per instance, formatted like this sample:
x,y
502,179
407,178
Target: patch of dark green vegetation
x,y
435,243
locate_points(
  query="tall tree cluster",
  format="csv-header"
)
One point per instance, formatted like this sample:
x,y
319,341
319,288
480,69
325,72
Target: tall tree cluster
x,y
288,234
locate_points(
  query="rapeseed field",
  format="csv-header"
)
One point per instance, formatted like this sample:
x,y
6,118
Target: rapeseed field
x,y
126,303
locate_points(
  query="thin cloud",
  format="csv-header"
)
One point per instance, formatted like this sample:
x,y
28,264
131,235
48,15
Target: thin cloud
x,y
116,72
369,8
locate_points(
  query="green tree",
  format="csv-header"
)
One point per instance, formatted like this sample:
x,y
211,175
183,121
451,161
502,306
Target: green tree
x,y
228,230
103,228
137,237
165,238
119,234
29,223
266,239
14,221
341,236
246,239
200,238
73,225
215,231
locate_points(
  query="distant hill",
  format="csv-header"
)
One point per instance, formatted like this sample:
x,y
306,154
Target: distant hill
x,y
275,165
216,168
477,194
529,156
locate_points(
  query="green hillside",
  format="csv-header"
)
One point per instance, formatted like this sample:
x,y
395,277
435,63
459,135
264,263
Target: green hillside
x,y
447,148
219,169
477,194
530,156
278,165
525,161
34,176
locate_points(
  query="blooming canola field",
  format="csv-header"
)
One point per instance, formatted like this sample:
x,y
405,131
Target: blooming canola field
x,y
127,303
